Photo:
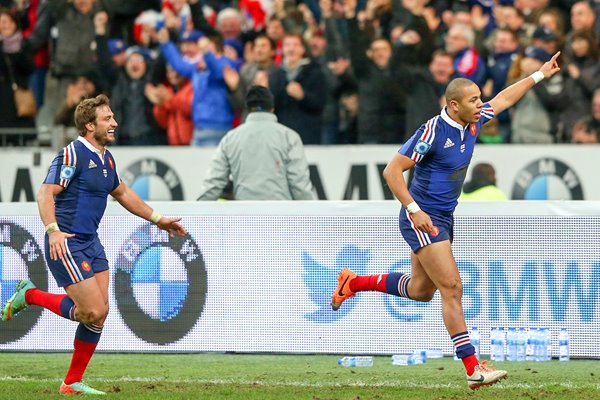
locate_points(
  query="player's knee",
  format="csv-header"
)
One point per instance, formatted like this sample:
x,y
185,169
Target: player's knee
x,y
423,295
93,315
452,288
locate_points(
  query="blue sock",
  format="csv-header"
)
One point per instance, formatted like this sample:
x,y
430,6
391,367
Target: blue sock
x,y
397,284
462,344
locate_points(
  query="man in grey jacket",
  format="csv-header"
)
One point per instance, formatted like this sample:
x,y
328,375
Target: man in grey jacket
x,y
265,158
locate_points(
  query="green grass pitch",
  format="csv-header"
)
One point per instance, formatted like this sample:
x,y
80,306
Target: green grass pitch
x,y
295,377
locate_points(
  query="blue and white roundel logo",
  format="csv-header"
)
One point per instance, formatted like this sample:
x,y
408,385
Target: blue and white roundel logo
x,y
160,284
547,179
67,172
153,179
422,147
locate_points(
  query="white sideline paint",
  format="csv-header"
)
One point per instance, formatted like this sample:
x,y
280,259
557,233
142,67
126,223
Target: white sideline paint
x,y
407,385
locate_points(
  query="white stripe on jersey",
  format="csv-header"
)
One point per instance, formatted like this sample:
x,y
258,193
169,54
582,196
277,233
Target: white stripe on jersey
x,y
427,136
69,158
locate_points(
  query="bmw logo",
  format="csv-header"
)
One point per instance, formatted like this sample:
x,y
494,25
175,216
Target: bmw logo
x,y
547,179
160,284
152,179
20,257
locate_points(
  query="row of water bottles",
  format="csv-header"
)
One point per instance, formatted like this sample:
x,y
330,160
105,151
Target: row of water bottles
x,y
520,344
416,358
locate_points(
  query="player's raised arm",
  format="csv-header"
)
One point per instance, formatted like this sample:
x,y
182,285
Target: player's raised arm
x,y
509,96
135,205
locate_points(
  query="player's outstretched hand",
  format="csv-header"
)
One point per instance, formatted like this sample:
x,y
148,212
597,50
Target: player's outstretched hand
x,y
172,226
56,242
551,67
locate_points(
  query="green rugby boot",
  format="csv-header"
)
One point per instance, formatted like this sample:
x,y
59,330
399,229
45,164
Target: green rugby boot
x,y
17,302
78,388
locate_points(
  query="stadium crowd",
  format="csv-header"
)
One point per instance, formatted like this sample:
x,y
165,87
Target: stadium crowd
x,y
340,71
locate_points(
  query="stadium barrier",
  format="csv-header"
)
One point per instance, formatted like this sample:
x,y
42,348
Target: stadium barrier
x,y
257,277
524,172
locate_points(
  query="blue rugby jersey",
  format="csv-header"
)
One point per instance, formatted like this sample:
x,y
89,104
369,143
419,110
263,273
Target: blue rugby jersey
x,y
442,150
87,180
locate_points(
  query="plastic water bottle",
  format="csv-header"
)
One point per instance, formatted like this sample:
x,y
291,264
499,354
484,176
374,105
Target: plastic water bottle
x,y
493,340
497,344
563,345
511,339
548,342
408,359
521,344
540,345
475,339
434,353
530,345
362,361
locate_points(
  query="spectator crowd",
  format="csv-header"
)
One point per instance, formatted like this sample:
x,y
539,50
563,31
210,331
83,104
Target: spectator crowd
x,y
340,71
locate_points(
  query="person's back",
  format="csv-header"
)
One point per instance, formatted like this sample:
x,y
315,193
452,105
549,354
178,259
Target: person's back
x,y
259,156
265,158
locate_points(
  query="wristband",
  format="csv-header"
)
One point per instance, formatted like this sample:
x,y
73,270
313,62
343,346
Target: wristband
x,y
413,208
155,217
537,76
52,227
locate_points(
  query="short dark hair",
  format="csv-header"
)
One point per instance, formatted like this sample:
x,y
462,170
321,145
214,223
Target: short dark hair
x,y
86,112
454,91
264,36
259,98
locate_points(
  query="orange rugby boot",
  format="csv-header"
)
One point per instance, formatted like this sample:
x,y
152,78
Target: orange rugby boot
x,y
342,291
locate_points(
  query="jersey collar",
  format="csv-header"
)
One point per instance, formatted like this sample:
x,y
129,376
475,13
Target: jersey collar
x,y
453,123
91,148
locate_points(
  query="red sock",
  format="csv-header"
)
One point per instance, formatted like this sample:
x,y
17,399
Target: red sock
x,y
81,357
371,282
47,300
470,363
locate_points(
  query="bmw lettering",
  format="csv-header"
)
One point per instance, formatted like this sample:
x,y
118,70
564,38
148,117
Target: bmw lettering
x,y
532,290
20,257
160,284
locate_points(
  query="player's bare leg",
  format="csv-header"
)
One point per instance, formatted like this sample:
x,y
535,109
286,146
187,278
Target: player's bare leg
x,y
91,302
420,287
438,262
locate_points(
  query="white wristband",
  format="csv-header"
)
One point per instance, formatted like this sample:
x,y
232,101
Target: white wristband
x,y
52,227
537,76
413,208
155,217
